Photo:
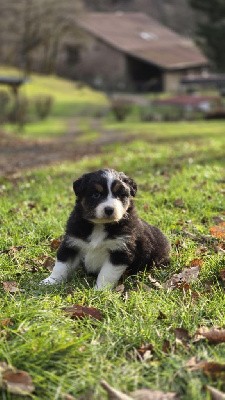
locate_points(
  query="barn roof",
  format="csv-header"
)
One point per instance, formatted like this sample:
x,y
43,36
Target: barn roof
x,y
141,36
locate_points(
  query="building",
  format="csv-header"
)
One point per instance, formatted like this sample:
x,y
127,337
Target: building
x,y
127,51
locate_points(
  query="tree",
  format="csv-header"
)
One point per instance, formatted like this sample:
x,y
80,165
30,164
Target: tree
x,y
31,31
211,29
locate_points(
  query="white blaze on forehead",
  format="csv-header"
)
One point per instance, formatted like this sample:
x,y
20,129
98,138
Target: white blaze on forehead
x,y
110,177
110,201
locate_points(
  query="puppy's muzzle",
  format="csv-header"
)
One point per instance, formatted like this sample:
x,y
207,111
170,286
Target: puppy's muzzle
x,y
108,211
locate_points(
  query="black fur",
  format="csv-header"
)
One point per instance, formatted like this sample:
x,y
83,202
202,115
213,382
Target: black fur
x,y
146,245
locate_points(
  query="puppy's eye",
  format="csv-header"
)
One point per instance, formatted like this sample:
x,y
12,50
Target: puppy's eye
x,y
121,193
96,195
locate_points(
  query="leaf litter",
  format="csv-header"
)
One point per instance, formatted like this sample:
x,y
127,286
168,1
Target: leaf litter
x,y
215,393
213,335
15,381
141,394
77,311
186,276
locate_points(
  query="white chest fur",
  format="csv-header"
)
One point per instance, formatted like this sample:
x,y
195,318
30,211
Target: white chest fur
x,y
95,250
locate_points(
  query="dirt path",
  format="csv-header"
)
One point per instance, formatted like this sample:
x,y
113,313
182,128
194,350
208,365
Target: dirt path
x,y
18,153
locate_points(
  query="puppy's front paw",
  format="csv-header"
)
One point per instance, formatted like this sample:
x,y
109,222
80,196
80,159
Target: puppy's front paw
x,y
49,281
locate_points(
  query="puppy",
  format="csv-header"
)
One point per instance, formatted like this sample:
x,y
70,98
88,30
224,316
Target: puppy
x,y
105,234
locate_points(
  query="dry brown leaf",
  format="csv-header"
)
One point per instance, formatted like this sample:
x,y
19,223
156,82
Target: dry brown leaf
x,y
147,394
210,368
215,393
145,351
114,394
78,312
202,250
220,248
179,203
66,396
213,335
161,315
222,274
218,231
6,322
196,262
146,207
55,243
141,394
154,282
185,277
166,347
182,335
48,263
120,288
10,286
17,382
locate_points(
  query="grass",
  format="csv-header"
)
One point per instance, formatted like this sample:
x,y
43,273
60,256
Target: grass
x,y
69,100
174,161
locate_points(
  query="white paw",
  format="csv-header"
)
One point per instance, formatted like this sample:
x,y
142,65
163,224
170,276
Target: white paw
x,y
49,281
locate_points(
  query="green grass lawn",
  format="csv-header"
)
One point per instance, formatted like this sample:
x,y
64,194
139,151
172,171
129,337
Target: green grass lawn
x,y
69,100
179,169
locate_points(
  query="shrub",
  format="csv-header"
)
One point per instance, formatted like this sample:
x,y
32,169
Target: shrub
x,y
19,111
43,106
120,108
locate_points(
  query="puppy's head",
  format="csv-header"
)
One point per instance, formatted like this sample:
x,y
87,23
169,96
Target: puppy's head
x,y
104,195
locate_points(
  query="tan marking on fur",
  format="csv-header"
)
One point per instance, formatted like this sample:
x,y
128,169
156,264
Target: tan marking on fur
x,y
98,187
116,187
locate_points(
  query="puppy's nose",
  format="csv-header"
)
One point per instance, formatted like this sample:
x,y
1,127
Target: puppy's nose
x,y
109,211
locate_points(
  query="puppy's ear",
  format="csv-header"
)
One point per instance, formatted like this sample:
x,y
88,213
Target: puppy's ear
x,y
79,185
130,182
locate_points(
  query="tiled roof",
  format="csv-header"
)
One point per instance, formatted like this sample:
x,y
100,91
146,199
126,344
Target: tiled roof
x,y
140,36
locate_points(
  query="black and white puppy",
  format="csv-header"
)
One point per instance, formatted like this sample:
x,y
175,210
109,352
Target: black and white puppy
x,y
105,234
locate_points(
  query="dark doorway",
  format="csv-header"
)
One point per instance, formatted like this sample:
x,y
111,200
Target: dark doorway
x,y
144,77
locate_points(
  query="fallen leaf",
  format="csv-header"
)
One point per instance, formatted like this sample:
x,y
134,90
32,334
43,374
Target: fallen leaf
x,y
179,203
222,274
6,322
141,394
30,204
146,207
114,394
120,288
48,262
147,394
210,368
154,282
186,276
196,262
145,351
182,335
166,347
66,396
78,312
161,315
17,382
10,286
202,250
218,231
55,243
218,219
213,335
215,393
220,248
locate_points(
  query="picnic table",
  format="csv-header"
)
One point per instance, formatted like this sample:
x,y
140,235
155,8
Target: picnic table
x,y
13,82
